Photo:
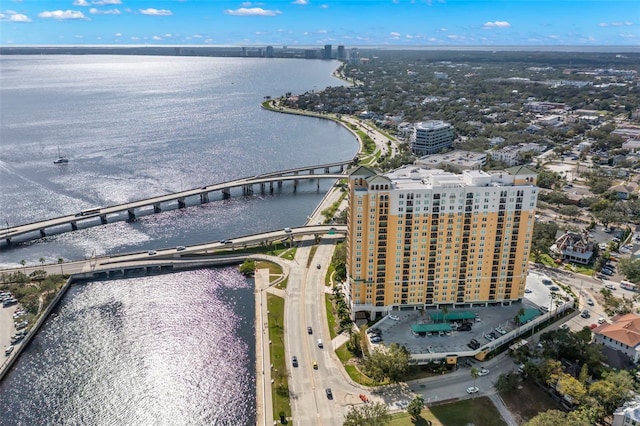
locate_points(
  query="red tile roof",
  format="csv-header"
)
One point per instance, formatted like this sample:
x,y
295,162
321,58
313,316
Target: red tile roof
x,y
624,329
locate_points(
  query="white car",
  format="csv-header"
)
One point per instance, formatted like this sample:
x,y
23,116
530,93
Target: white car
x,y
473,389
394,317
601,320
610,286
483,372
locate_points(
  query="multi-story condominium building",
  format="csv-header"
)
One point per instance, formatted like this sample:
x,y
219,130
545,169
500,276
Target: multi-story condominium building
x,y
427,238
431,137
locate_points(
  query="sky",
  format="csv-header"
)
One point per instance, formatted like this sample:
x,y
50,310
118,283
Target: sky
x,y
319,22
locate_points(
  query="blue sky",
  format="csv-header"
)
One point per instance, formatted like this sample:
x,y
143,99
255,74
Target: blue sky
x,y
319,22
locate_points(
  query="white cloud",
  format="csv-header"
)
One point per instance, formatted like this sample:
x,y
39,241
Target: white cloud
x,y
105,2
455,37
19,17
157,38
95,11
322,31
253,11
118,34
628,35
62,14
616,24
81,3
394,34
496,24
13,16
324,6
156,12
301,2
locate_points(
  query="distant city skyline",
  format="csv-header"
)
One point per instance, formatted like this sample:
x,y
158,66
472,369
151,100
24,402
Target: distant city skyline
x,y
310,22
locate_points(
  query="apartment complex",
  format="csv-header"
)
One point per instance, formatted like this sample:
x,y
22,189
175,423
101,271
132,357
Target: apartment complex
x,y
431,137
427,238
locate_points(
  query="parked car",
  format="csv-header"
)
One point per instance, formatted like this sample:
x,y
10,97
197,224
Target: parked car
x,y
527,290
394,317
554,288
473,344
585,314
329,393
315,365
610,286
601,320
607,272
373,330
309,330
546,281
590,302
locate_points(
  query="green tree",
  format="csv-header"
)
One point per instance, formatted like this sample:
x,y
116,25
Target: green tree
x,y
415,406
630,268
61,262
391,364
371,414
506,382
559,418
613,390
475,373
248,267
571,388
354,344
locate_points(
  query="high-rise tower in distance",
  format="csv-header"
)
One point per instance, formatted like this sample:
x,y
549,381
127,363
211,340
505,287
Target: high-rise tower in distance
x,y
421,238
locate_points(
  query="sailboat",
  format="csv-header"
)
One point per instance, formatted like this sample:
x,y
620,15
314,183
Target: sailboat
x,y
60,159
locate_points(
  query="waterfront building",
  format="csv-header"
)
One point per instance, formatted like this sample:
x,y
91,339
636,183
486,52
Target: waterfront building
x,y
269,51
420,239
431,137
342,54
327,54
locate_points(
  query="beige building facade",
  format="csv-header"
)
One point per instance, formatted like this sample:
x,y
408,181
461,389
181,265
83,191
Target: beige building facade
x,y
427,238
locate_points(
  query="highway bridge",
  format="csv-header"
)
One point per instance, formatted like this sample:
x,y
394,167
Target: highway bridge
x,y
170,259
88,218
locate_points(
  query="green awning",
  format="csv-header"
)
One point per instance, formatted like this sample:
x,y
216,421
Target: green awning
x,y
430,328
528,315
453,316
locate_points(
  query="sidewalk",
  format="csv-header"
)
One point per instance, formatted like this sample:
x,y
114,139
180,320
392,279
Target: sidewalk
x,y
264,404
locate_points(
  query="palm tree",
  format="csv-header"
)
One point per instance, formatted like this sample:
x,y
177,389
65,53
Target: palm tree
x,y
475,373
445,311
60,262
518,317
41,260
24,265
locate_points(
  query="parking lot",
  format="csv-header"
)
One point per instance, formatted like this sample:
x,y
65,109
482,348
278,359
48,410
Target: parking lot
x,y
540,296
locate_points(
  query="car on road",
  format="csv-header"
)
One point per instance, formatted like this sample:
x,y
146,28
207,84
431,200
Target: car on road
x,y
394,317
287,230
318,266
554,288
564,326
472,389
320,345
315,365
329,393
180,248
610,286
309,330
483,372
527,290
546,281
294,361
151,252
590,302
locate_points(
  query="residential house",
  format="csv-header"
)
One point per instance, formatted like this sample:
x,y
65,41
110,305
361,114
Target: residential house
x,y
574,247
623,334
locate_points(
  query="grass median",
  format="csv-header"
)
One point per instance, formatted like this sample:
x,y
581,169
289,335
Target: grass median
x,y
279,376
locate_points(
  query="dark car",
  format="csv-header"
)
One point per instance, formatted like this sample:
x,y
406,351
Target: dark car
x,y
607,272
465,327
373,330
309,330
294,361
554,288
318,266
329,393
